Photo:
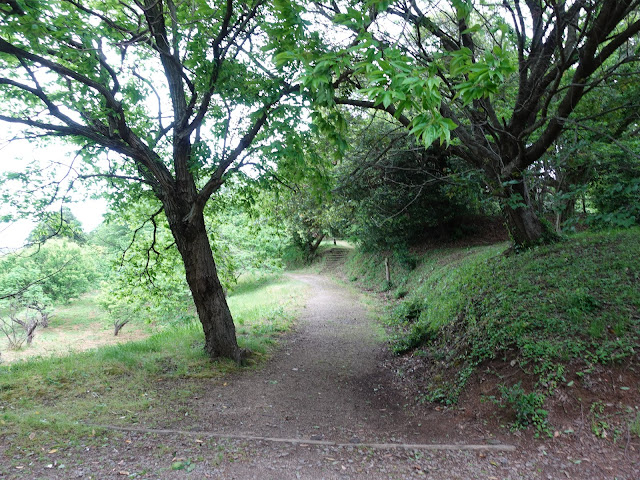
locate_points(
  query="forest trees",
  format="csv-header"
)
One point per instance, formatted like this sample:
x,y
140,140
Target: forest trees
x,y
58,224
36,278
497,84
164,99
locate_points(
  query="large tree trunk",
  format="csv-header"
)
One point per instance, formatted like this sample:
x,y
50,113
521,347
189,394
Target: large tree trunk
x,y
524,226
202,276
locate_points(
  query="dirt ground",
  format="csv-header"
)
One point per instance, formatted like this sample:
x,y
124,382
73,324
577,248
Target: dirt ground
x,y
327,406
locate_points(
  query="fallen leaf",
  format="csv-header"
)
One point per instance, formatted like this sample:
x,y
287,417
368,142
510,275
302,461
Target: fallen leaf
x,y
198,440
32,435
53,450
122,472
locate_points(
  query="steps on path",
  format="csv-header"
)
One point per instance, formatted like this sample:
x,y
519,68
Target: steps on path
x,y
335,257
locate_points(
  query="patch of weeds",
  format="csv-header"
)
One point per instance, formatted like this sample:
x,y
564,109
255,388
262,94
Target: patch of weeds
x,y
602,423
527,407
400,293
181,464
408,311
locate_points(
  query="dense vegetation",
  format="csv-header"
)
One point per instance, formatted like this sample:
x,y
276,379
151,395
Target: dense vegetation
x,y
442,111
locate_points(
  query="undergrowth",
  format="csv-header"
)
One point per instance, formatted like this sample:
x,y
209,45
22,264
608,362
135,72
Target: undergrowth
x,y
573,303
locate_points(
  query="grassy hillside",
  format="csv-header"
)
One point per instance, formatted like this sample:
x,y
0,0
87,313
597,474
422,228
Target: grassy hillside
x,y
554,312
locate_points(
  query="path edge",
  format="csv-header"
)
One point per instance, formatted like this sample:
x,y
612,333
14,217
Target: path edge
x,y
308,442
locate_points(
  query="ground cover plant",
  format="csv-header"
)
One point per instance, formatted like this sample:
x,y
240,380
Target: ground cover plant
x,y
50,399
555,313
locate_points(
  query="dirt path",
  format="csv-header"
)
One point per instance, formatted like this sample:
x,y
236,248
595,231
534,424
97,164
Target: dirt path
x,y
313,412
325,384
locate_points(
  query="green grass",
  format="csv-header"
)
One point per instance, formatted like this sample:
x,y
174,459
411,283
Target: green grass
x,y
572,304
368,271
124,384
263,308
79,325
80,311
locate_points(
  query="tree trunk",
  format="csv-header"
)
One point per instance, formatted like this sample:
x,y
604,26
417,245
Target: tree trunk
x,y
314,246
117,326
387,271
524,226
30,330
202,276
565,214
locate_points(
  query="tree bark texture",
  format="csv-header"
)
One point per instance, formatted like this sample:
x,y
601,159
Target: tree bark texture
x,y
117,326
523,223
202,276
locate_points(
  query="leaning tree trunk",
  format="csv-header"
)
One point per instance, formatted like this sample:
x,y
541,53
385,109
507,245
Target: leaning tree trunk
x,y
202,276
524,226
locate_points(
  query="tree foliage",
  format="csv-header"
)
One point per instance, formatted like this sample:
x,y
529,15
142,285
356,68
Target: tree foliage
x,y
164,99
59,270
33,280
58,224
494,84
392,189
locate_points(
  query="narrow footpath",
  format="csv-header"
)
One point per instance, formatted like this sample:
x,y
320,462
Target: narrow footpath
x,y
325,383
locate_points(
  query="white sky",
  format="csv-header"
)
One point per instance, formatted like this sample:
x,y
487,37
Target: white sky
x,y
14,157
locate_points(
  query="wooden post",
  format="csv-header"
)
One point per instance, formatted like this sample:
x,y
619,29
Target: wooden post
x,y
387,270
